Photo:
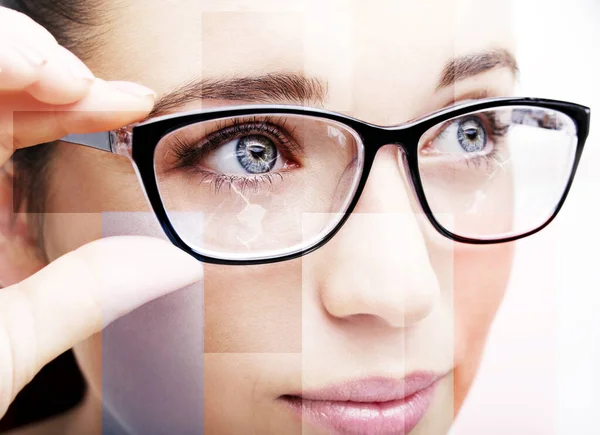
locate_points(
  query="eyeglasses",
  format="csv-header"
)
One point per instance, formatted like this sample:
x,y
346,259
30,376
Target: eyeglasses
x,y
267,183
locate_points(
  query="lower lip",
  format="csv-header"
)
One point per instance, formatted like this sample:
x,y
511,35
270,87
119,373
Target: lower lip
x,y
396,417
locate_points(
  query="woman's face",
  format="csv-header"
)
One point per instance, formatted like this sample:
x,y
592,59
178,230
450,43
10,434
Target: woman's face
x,y
387,298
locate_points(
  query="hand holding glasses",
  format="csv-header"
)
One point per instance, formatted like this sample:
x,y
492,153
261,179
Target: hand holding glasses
x,y
259,184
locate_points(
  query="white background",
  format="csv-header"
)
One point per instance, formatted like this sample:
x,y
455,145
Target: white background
x,y
541,370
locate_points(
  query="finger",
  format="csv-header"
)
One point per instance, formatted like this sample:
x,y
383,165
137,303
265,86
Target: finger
x,y
79,294
108,105
32,60
62,79
15,25
20,66
25,48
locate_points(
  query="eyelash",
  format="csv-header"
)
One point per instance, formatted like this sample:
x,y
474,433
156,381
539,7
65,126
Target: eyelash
x,y
495,131
188,154
239,183
498,129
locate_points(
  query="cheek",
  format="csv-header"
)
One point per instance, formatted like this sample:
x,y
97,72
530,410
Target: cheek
x,y
477,204
89,359
480,278
64,232
84,184
84,180
262,315
248,383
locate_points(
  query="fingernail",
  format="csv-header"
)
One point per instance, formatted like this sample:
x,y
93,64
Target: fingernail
x,y
133,88
76,67
32,55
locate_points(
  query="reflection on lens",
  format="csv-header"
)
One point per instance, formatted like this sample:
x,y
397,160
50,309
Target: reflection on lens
x,y
243,188
499,172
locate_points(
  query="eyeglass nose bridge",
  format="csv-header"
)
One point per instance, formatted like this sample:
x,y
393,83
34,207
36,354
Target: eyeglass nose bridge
x,y
406,138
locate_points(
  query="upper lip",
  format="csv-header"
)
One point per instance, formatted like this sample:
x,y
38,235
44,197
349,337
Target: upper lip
x,y
372,390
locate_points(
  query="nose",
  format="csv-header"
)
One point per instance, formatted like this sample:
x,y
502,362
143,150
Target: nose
x,y
377,268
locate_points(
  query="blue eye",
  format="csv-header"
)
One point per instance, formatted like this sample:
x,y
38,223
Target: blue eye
x,y
256,154
471,135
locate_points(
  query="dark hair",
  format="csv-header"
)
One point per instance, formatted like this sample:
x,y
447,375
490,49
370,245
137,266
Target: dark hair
x,y
71,24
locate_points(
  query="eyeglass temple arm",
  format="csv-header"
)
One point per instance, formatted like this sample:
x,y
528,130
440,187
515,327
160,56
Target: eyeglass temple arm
x,y
115,141
100,141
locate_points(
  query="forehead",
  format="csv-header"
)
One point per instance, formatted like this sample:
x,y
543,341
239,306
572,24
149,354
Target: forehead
x,y
381,50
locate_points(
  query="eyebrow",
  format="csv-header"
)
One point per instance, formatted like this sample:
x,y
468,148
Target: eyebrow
x,y
296,88
463,67
285,87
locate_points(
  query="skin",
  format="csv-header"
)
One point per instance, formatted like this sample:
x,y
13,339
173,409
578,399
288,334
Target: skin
x,y
381,298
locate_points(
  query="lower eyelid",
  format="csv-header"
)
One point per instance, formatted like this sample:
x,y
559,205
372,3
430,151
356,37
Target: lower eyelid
x,y
243,183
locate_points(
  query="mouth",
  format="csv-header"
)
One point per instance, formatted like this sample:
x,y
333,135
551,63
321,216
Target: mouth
x,y
372,406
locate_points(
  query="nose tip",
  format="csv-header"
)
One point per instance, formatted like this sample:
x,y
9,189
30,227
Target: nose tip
x,y
399,295
377,266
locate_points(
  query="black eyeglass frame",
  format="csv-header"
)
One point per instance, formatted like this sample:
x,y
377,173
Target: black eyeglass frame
x,y
139,142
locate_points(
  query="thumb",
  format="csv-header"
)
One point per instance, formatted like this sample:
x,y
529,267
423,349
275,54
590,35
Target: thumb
x,y
79,294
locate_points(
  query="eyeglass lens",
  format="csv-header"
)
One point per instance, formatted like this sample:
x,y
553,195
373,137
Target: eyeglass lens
x,y
265,185
257,186
497,173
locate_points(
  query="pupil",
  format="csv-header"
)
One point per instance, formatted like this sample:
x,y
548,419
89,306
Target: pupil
x,y
256,154
256,150
472,135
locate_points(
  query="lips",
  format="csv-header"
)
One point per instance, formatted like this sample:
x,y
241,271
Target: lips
x,y
372,406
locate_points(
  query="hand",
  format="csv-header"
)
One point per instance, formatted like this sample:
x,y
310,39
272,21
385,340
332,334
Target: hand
x,y
79,294
46,93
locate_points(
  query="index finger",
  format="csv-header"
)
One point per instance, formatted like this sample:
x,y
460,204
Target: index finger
x,y
107,106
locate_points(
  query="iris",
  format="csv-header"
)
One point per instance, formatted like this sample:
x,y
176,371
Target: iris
x,y
256,154
472,135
